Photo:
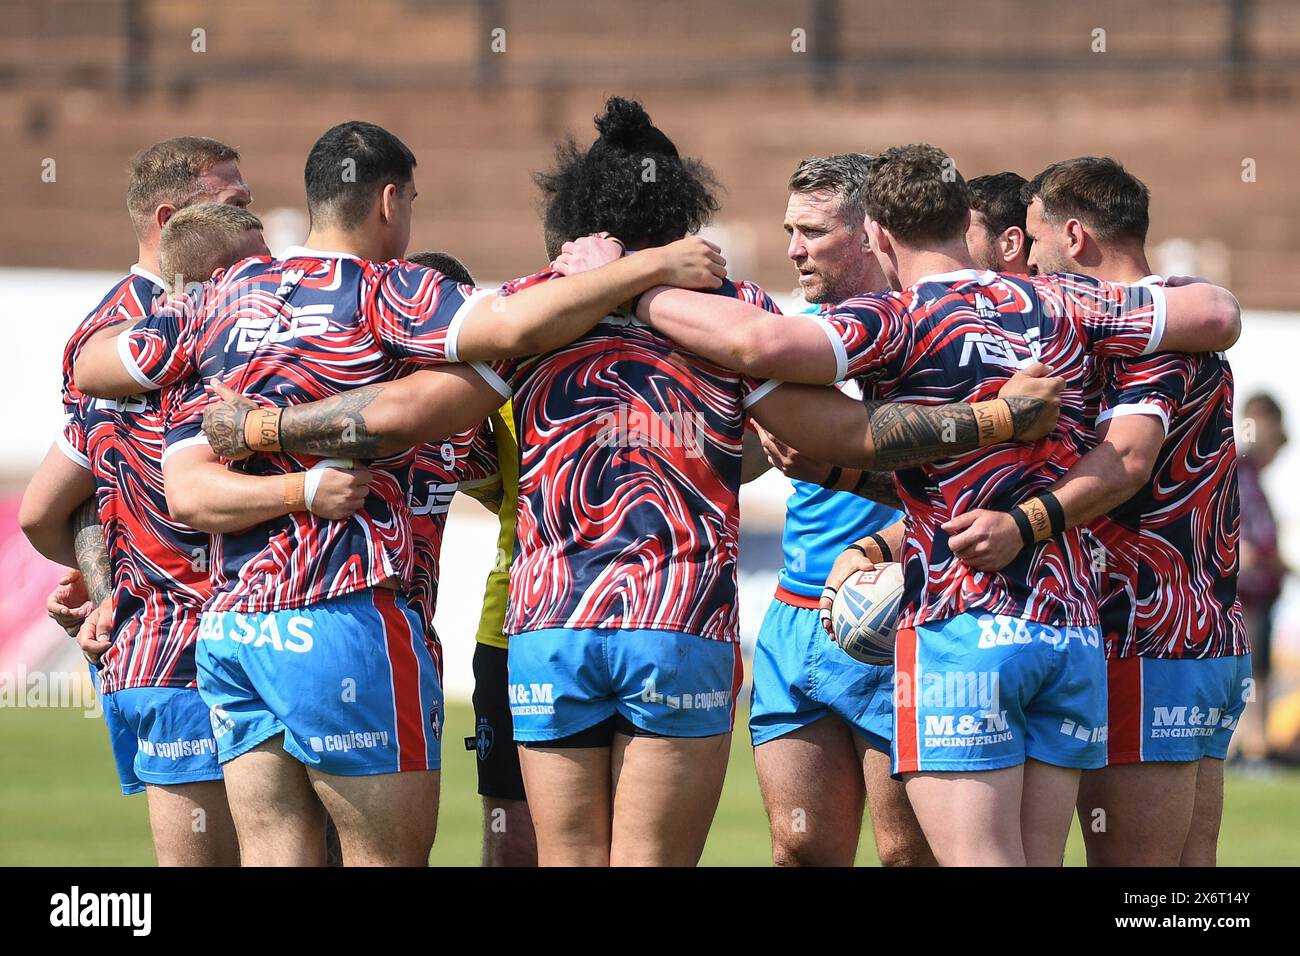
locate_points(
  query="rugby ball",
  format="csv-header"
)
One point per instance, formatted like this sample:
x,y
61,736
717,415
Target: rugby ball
x,y
865,612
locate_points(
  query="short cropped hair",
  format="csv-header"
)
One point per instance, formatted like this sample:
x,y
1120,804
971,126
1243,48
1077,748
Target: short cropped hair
x,y
348,166
997,197
199,240
1096,190
844,175
445,263
169,172
917,194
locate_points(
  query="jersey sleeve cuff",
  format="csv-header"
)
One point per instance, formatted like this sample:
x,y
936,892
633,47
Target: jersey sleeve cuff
x,y
129,363
1136,408
760,393
1157,321
837,343
71,453
492,378
457,320
192,442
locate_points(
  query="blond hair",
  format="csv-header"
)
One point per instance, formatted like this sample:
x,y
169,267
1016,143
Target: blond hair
x,y
198,240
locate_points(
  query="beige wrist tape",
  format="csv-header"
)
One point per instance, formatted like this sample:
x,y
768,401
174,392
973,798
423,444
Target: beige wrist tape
x,y
295,491
262,429
1039,519
993,419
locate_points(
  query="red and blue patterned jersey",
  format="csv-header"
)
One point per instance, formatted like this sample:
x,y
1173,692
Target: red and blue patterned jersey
x,y
131,298
629,480
288,331
957,338
460,463
159,567
1170,574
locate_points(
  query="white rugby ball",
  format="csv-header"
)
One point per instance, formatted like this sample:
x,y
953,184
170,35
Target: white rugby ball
x,y
865,613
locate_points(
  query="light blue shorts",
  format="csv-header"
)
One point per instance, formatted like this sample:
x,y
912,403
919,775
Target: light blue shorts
x,y
983,692
564,680
801,676
350,682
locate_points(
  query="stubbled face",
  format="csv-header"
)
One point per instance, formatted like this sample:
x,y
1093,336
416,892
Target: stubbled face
x,y
224,184
400,211
982,244
1049,252
833,258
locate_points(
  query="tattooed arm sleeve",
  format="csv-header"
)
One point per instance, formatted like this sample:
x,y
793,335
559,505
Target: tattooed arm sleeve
x,y
880,436
378,420
92,557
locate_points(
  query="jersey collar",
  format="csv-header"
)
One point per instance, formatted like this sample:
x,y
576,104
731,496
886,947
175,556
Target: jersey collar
x,y
1151,280
143,273
302,252
984,277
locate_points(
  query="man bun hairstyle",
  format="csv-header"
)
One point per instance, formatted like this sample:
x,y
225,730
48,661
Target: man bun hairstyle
x,y
630,182
916,193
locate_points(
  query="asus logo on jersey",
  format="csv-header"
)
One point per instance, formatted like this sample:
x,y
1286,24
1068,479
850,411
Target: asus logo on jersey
x,y
438,501
996,350
132,404
251,332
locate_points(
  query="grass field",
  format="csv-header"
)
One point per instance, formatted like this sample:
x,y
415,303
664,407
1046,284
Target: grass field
x,y
60,803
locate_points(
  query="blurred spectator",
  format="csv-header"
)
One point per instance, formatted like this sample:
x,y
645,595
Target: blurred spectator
x,y
1259,583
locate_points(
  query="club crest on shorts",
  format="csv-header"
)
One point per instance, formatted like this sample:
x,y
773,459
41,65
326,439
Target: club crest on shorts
x,y
484,737
435,721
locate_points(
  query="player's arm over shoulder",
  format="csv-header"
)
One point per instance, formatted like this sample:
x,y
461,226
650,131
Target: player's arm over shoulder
x,y
143,355
739,334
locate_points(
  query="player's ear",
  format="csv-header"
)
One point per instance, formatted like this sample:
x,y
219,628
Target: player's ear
x,y
878,237
1075,238
1011,241
162,213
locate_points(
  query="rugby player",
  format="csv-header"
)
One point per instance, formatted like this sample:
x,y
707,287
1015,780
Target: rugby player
x,y
623,660
989,667
1162,484
996,236
820,721
323,687
483,463
97,501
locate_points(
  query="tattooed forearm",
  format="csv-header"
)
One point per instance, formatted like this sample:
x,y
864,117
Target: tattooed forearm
x,y
906,436
332,426
1026,413
878,486
223,424
92,558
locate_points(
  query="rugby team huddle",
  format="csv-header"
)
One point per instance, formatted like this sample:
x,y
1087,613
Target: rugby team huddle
x,y
989,387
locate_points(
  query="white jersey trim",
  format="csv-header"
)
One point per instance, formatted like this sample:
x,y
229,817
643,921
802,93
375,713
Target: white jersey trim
x,y
457,320
184,443
1136,408
837,343
760,393
128,362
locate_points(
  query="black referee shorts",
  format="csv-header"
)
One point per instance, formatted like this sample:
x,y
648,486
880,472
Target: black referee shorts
x,y
499,776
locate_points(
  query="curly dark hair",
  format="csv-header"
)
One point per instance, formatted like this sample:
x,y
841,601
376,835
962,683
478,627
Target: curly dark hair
x,y
630,182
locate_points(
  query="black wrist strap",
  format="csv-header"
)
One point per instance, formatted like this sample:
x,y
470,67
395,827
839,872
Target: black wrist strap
x,y
886,554
1026,529
833,479
864,477
1055,513
860,549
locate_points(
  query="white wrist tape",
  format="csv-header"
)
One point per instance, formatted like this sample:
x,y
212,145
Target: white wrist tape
x,y
316,471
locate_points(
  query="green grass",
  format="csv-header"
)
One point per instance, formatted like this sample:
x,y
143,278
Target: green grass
x,y
60,803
